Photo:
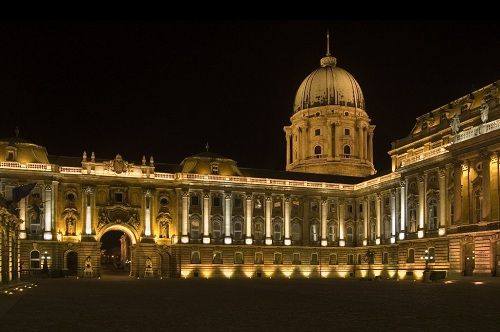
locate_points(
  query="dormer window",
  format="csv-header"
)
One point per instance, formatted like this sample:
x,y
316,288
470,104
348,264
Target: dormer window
x,y
214,168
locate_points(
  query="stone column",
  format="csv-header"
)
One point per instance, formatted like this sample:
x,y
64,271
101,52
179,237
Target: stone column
x,y
365,143
360,141
457,209
23,216
324,220
378,201
227,218
393,215
442,202
337,140
421,206
206,216
341,207
370,146
147,213
331,135
288,241
248,219
47,235
494,201
268,212
88,192
402,210
466,210
185,213
287,149
366,217
486,208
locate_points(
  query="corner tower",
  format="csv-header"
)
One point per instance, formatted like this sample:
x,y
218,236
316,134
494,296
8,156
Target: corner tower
x,y
330,131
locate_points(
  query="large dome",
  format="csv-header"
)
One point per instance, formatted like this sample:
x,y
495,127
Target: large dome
x,y
329,85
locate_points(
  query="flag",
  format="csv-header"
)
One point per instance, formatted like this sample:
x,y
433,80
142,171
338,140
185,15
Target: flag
x,y
22,191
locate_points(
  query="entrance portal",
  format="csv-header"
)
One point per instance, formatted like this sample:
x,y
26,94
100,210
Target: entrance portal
x,y
115,253
72,263
470,259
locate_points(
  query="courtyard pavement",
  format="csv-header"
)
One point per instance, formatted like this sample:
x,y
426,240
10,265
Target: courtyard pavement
x,y
117,303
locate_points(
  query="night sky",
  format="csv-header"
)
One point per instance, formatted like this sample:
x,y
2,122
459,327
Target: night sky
x,y
165,88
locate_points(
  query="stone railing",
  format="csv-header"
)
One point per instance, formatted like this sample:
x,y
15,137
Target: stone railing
x,y
424,155
476,131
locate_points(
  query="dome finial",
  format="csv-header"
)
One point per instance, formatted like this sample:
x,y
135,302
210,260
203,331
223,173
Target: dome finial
x,y
328,42
328,60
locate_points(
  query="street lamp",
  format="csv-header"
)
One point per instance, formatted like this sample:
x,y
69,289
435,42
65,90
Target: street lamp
x,y
427,257
45,257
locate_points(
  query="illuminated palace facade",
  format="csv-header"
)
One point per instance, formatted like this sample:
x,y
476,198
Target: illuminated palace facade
x,y
329,214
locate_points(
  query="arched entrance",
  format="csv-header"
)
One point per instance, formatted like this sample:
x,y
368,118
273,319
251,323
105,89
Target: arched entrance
x,y
116,252
72,263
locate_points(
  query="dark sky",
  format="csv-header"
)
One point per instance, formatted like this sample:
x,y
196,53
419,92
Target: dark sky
x,y
165,88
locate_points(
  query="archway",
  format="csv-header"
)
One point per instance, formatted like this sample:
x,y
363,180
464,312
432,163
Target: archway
x,y
72,263
115,252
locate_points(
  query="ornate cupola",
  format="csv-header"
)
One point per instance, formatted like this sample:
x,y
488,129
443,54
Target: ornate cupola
x,y
330,131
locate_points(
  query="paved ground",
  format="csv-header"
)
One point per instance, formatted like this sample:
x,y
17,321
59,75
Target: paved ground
x,y
122,304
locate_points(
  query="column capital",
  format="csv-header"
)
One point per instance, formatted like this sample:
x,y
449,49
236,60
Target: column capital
x,y
147,192
402,184
88,190
185,193
287,198
420,178
494,157
248,196
206,194
324,200
442,172
485,154
268,198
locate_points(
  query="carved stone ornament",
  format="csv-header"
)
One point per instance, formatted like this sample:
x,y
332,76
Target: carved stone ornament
x,y
164,220
119,215
118,165
455,124
70,216
484,108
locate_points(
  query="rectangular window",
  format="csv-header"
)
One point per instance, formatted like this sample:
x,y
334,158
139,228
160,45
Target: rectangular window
x,y
215,169
277,258
333,259
238,258
411,256
119,197
237,202
347,131
314,259
10,156
216,201
360,207
217,258
349,208
350,259
317,132
296,258
259,258
385,258
195,200
360,259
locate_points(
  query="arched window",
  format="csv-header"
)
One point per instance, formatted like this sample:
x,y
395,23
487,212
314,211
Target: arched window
x,y
296,231
238,230
332,232
432,213
314,232
314,259
195,257
277,231
349,234
195,228
216,229
238,257
35,259
317,150
347,151
258,229
411,256
412,216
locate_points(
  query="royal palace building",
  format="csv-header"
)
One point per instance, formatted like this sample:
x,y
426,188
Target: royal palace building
x,y
330,214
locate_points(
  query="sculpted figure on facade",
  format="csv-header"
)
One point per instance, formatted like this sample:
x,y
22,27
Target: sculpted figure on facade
x,y
484,111
455,124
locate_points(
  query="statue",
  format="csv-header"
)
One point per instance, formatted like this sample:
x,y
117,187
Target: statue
x,y
70,227
149,268
455,124
484,111
88,271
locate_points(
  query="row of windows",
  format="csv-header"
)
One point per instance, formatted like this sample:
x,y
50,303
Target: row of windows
x,y
352,259
347,150
317,132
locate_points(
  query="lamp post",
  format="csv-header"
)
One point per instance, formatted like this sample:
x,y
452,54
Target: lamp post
x,y
45,257
427,272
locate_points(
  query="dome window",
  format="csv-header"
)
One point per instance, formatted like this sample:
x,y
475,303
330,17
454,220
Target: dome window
x,y
317,151
214,168
347,151
317,132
